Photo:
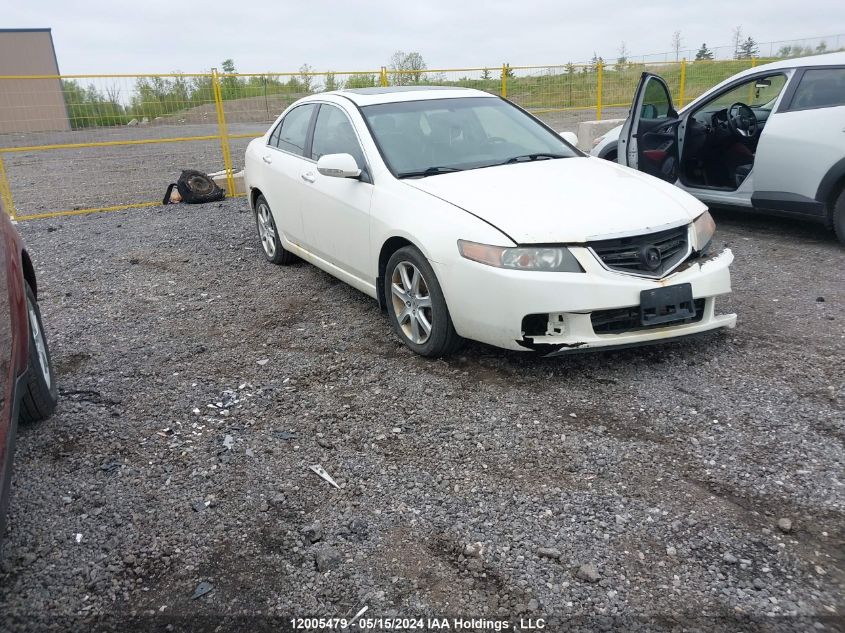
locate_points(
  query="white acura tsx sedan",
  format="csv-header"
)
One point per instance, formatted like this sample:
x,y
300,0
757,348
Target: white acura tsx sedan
x,y
467,218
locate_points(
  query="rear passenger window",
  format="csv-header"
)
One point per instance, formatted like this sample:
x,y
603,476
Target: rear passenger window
x,y
274,137
820,88
290,134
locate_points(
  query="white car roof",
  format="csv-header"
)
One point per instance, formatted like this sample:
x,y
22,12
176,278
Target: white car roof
x,y
394,94
828,59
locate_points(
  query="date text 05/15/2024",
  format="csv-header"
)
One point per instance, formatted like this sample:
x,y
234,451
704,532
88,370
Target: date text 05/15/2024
x,y
418,624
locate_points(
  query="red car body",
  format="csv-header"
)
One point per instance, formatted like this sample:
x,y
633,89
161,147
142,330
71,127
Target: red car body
x,y
14,345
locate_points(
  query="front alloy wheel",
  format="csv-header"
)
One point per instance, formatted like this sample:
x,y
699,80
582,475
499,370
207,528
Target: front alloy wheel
x,y
411,302
416,305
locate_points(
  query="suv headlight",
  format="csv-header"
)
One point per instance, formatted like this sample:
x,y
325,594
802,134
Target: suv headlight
x,y
539,258
704,228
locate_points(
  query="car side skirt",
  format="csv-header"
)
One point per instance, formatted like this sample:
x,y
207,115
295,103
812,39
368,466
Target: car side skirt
x,y
787,202
335,271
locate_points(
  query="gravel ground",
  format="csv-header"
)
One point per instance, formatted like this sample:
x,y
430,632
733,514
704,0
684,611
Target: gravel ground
x,y
694,486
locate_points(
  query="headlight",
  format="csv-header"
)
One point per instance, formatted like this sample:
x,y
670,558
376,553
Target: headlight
x,y
704,228
597,140
542,258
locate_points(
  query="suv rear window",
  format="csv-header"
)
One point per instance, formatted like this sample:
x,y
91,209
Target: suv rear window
x,y
820,88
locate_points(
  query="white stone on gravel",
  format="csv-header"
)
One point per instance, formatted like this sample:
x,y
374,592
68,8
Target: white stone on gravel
x,y
588,572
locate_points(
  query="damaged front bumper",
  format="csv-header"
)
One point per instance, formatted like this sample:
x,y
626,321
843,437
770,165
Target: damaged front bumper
x,y
582,337
559,313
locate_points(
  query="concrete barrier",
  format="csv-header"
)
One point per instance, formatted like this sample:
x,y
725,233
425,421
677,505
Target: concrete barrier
x,y
591,130
219,178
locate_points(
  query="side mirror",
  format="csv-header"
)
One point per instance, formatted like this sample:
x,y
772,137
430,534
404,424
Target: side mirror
x,y
649,111
569,137
338,166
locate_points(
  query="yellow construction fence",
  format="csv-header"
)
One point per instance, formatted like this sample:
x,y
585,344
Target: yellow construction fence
x,y
77,144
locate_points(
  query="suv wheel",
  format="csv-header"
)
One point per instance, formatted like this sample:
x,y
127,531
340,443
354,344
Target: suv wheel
x,y
839,216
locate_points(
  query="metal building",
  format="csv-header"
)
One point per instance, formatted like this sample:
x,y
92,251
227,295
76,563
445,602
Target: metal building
x,y
30,105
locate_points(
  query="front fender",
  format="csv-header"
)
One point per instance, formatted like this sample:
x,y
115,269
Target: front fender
x,y
433,225
429,223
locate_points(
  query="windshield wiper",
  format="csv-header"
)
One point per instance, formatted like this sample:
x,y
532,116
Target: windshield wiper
x,y
524,158
431,171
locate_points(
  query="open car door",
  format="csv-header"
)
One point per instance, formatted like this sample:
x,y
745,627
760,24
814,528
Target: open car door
x,y
649,138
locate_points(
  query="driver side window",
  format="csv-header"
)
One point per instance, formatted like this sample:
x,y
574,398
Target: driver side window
x,y
333,134
656,101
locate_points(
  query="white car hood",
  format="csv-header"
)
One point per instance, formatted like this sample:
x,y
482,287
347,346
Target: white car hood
x,y
567,200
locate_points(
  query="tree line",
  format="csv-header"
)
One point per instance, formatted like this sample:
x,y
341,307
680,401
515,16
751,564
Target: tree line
x,y
152,97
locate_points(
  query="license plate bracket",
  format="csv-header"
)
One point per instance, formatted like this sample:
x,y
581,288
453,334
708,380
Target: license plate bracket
x,y
666,305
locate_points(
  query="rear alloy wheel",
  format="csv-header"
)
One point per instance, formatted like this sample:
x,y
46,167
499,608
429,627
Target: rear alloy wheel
x,y
416,305
41,392
839,216
270,242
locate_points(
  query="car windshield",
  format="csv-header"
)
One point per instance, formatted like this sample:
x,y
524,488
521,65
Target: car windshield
x,y
434,136
759,93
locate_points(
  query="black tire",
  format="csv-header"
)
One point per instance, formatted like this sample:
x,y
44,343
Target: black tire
x,y
441,339
195,187
839,216
611,156
38,400
277,254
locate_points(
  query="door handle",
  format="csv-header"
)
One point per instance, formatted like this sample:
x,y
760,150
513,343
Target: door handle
x,y
309,176
267,159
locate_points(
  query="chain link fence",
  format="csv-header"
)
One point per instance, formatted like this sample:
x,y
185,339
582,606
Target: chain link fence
x,y
77,144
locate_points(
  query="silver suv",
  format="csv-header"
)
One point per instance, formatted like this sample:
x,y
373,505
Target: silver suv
x,y
771,139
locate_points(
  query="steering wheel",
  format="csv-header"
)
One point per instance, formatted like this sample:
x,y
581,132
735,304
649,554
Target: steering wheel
x,y
742,120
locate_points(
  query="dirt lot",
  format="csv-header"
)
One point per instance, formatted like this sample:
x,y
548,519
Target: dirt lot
x,y
632,490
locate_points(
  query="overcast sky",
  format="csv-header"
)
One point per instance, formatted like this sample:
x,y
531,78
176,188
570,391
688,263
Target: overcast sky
x,y
104,36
